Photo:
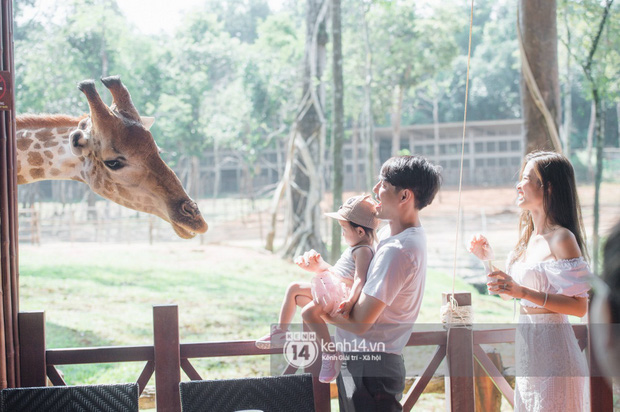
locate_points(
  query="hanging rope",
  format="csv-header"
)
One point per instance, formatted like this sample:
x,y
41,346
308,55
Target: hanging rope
x,y
451,312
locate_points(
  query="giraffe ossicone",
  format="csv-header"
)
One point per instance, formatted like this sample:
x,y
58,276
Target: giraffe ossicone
x,y
112,151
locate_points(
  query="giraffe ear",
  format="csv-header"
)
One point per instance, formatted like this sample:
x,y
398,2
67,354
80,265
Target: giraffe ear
x,y
79,143
147,122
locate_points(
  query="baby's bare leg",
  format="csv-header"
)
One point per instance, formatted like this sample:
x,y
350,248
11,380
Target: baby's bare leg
x,y
312,315
297,294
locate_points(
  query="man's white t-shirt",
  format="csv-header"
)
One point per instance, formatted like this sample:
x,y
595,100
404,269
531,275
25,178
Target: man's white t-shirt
x,y
396,276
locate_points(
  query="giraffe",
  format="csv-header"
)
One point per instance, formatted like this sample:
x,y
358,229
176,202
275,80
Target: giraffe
x,y
112,151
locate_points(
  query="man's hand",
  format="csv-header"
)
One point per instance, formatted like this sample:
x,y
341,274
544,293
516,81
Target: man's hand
x,y
312,262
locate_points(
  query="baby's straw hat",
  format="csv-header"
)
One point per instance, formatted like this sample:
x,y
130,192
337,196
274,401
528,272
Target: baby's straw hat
x,y
360,210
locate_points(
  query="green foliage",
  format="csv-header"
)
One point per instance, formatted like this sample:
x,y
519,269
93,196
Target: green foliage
x,y
230,74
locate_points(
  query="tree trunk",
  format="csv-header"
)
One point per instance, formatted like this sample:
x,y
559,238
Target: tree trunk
x,y
568,107
618,121
216,169
568,92
537,21
598,176
369,133
436,125
355,139
305,190
397,107
590,137
338,126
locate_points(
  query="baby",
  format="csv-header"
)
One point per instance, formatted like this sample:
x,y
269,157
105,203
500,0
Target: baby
x,y
334,291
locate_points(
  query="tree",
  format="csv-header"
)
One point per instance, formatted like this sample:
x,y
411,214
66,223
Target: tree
x,y
302,180
410,56
540,85
204,61
600,69
338,123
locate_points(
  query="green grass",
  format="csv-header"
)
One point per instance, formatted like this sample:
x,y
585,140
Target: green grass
x,y
102,295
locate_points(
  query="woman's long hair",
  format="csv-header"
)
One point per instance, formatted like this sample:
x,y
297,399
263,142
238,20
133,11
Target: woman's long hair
x,y
560,200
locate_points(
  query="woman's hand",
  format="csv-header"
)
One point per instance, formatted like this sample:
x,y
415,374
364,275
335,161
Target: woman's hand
x,y
504,285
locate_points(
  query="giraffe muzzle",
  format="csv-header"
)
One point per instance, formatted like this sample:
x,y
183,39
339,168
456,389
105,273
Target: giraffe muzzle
x,y
188,221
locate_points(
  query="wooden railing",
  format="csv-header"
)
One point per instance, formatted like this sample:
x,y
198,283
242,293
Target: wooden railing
x,y
167,357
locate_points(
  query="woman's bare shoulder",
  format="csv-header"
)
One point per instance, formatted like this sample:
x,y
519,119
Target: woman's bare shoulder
x,y
563,244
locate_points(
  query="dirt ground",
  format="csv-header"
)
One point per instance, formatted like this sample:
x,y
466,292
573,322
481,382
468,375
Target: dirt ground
x,y
491,211
237,223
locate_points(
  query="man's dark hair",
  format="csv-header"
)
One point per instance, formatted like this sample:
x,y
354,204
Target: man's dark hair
x,y
414,173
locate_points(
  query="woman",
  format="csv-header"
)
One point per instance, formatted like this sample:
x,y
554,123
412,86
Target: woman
x,y
547,271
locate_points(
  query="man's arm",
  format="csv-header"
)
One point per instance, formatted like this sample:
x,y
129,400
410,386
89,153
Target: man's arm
x,y
364,314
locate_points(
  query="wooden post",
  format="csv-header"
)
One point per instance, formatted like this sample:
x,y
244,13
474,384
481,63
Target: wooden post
x,y
601,394
321,391
460,361
32,348
167,357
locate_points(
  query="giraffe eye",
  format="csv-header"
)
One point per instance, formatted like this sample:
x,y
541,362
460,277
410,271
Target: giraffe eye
x,y
113,164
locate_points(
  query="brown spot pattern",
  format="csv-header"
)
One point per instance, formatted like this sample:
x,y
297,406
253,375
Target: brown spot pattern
x,y
51,143
45,136
35,159
24,144
37,173
21,180
124,193
48,154
37,146
54,171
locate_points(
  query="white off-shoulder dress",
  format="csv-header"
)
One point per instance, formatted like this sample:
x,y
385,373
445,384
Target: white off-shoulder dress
x,y
551,370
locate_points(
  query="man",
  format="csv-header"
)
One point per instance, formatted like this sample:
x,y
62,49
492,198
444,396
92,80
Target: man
x,y
374,334
605,309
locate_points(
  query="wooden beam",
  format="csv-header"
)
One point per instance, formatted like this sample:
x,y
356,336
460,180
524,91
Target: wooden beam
x,y
190,371
102,354
496,376
167,357
420,383
55,376
32,338
146,374
460,379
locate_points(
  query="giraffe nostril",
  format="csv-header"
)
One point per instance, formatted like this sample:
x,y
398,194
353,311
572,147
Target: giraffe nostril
x,y
190,209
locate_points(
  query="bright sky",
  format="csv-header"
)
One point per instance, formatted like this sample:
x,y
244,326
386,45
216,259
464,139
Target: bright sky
x,y
156,15
152,16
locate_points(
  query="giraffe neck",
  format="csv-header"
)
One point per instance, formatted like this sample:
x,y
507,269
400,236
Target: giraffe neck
x,y
44,152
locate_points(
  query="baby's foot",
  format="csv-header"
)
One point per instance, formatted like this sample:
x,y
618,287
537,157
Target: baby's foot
x,y
331,363
273,340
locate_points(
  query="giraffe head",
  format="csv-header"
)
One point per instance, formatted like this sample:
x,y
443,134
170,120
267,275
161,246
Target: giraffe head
x,y
122,162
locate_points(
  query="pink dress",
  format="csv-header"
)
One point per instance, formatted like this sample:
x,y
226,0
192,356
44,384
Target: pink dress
x,y
551,370
331,287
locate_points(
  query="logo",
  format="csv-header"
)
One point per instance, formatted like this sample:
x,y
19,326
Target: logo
x,y
301,349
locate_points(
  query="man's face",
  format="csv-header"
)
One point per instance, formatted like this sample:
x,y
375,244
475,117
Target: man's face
x,y
388,198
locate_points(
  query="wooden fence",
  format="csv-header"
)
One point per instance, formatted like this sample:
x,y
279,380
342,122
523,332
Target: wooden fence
x,y
167,357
